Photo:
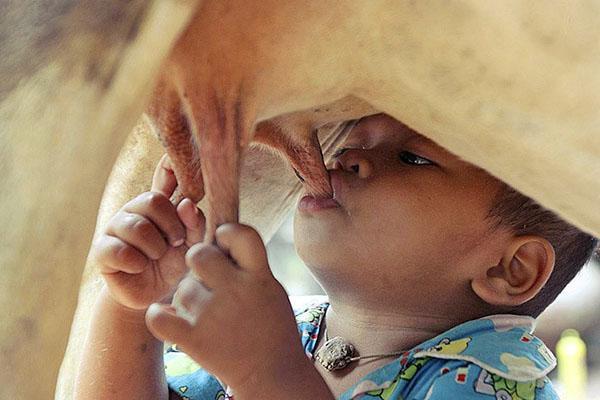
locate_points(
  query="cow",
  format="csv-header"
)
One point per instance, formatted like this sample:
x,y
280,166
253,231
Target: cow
x,y
510,87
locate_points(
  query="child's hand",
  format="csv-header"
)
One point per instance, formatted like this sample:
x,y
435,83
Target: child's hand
x,y
142,251
238,322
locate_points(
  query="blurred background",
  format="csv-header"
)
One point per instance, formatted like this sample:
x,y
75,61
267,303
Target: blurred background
x,y
576,308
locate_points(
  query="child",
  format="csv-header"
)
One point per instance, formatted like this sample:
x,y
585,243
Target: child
x,y
434,272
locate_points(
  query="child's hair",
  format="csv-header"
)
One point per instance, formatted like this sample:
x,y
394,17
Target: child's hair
x,y
573,248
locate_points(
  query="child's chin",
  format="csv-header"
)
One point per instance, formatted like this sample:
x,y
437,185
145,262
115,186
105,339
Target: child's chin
x,y
319,231
318,259
319,246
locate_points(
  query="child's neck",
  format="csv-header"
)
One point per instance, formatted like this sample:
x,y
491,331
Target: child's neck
x,y
373,332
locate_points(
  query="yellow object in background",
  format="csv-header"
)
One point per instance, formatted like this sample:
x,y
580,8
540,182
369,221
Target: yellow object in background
x,y
572,368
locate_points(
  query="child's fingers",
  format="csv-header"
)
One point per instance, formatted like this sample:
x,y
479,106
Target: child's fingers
x,y
191,298
244,245
139,232
159,209
164,323
114,255
213,268
193,221
164,180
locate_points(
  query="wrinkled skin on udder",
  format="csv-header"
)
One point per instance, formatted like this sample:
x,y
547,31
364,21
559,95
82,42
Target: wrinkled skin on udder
x,y
205,130
226,83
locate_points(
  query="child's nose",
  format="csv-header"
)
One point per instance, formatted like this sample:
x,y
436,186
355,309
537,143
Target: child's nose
x,y
355,161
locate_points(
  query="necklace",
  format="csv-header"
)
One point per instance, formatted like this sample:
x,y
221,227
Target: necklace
x,y
336,353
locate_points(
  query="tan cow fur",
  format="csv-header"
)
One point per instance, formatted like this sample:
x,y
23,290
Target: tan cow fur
x,y
66,106
513,87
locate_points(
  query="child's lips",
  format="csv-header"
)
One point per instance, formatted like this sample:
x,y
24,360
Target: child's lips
x,y
310,203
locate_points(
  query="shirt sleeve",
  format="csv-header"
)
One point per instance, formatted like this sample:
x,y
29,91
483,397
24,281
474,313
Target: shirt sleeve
x,y
473,382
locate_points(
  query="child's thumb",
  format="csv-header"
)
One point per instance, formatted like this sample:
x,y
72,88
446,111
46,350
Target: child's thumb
x,y
164,323
164,180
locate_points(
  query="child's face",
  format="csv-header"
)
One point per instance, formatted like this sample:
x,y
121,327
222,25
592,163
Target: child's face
x,y
406,232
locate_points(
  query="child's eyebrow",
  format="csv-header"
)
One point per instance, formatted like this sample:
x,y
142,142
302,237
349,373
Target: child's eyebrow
x,y
429,145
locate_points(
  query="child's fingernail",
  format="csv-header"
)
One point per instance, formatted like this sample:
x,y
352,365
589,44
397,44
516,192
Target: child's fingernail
x,y
178,243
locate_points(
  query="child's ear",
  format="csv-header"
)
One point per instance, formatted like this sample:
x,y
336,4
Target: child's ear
x,y
522,272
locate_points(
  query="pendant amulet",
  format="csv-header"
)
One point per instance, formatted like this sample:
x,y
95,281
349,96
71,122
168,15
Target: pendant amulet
x,y
335,354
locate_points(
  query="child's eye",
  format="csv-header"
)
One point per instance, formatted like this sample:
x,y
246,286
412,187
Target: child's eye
x,y
412,159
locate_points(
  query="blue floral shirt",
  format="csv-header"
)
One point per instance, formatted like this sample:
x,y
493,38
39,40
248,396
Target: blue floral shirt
x,y
495,357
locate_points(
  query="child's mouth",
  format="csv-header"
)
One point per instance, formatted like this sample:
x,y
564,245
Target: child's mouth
x,y
310,204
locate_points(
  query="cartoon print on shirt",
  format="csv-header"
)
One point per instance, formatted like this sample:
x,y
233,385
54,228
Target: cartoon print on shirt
x,y
506,389
385,394
182,365
310,316
411,369
408,371
447,346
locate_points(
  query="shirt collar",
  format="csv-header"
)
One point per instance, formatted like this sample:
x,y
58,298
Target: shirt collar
x,y
521,357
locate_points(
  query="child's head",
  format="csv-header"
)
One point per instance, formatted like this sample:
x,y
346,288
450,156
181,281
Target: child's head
x,y
419,229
